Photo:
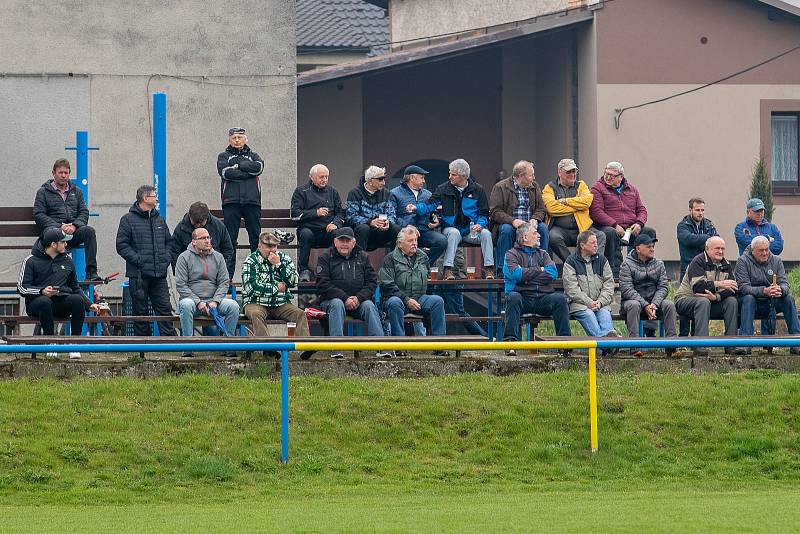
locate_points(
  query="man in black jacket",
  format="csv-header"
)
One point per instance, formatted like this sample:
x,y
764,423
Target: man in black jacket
x,y
346,283
199,216
143,239
60,204
240,168
317,208
49,284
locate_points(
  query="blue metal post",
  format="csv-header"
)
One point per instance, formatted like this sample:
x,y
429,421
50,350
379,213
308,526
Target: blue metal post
x,y
284,406
160,150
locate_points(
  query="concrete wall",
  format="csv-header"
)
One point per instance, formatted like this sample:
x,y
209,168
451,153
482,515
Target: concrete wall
x,y
703,145
519,102
330,131
122,47
588,164
445,16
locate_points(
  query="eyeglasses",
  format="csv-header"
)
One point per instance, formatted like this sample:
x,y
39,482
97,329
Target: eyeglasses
x,y
613,175
204,238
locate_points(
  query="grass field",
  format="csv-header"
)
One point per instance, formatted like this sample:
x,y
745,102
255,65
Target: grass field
x,y
464,453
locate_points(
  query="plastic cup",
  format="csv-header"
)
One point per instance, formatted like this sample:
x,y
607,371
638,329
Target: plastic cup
x,y
290,329
434,273
470,273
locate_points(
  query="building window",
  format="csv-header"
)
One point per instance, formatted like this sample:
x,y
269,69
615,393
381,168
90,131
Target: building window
x,y
785,147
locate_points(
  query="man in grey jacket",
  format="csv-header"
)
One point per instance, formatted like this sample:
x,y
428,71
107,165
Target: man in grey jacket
x,y
643,285
764,290
589,287
201,277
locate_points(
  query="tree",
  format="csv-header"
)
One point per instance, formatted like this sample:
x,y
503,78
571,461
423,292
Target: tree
x,y
761,187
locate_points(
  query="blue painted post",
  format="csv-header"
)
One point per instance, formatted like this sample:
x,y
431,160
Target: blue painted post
x,y
284,406
160,158
82,149
160,150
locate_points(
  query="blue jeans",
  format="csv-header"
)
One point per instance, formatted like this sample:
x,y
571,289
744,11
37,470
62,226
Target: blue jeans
x,y
454,238
432,306
507,236
751,307
228,309
434,241
553,304
366,311
595,323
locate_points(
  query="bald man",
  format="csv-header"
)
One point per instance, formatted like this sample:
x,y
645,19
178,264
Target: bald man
x,y
708,291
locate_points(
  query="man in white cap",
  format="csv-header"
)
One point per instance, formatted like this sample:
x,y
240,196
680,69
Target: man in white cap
x,y
567,201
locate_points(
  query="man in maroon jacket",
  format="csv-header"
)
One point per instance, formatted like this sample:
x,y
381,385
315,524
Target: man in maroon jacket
x,y
617,210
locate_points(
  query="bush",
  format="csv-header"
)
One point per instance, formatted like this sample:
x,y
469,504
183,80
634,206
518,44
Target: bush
x,y
793,277
761,187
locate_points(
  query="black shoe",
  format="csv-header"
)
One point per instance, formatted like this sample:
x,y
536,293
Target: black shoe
x,y
670,352
794,350
511,352
306,354
228,355
737,351
400,354
187,355
272,354
442,353
565,352
93,277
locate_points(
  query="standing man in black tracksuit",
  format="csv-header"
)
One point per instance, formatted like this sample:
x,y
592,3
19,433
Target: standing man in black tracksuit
x,y
143,239
240,168
60,204
49,284
317,208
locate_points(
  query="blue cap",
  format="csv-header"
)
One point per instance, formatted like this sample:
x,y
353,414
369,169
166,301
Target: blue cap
x,y
755,204
414,169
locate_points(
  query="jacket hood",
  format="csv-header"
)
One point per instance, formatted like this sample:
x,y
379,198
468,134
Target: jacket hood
x,y
38,251
135,209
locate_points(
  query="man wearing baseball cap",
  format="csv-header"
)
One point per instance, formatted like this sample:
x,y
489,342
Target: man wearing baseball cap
x,y
755,224
643,285
240,169
411,191
346,284
49,284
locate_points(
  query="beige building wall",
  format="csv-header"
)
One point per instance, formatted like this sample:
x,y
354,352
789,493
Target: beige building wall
x,y
442,16
703,144
330,129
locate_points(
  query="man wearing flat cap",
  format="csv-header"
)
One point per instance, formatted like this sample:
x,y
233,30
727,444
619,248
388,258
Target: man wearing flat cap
x,y
755,224
411,191
346,284
267,277
567,201
240,168
49,284
643,285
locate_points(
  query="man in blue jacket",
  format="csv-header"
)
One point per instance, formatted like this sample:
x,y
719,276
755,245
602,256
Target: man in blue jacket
x,y
411,191
465,215
529,273
370,212
755,224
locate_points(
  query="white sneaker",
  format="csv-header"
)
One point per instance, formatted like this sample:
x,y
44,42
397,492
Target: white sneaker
x,y
337,355
384,354
51,355
74,355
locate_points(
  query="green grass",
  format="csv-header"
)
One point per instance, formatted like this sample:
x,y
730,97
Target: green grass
x,y
462,453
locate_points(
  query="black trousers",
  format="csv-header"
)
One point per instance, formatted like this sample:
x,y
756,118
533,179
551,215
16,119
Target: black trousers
x,y
308,239
613,252
47,308
233,215
156,291
369,238
85,236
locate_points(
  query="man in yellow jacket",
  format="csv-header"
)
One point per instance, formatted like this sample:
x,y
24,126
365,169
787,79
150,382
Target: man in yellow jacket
x,y
567,201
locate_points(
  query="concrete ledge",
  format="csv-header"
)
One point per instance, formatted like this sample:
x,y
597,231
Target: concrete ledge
x,y
111,365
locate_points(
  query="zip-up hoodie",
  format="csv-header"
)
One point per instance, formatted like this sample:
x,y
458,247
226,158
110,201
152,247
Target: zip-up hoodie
x,y
746,230
40,270
460,209
644,282
201,278
50,210
363,206
341,278
307,198
240,169
529,270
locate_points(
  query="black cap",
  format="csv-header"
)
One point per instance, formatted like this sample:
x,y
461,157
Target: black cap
x,y
644,239
54,235
235,130
414,169
344,233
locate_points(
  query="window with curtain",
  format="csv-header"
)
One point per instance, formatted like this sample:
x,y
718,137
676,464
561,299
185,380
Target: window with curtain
x,y
785,144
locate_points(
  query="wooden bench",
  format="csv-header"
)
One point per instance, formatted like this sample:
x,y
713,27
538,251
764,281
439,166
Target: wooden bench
x,y
271,218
